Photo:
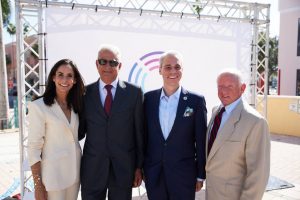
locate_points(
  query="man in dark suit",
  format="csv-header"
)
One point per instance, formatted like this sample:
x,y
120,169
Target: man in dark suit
x,y
175,129
113,124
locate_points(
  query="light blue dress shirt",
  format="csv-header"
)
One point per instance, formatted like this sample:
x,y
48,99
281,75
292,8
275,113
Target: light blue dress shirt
x,y
228,109
167,111
103,91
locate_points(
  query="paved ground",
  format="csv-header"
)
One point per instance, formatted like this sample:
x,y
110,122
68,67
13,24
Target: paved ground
x,y
285,164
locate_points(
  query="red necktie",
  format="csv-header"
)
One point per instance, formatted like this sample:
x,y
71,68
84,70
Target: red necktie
x,y
214,130
108,99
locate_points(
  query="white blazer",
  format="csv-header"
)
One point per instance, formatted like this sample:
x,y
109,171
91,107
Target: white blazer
x,y
54,141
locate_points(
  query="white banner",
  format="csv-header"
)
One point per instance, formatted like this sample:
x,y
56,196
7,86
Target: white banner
x,y
207,46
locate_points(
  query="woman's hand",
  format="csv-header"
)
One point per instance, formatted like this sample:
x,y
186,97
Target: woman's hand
x,y
40,192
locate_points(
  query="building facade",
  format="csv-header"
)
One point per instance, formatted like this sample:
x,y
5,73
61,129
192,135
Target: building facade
x,y
31,61
289,47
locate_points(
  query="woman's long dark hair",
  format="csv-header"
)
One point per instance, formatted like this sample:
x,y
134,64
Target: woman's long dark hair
x,y
75,95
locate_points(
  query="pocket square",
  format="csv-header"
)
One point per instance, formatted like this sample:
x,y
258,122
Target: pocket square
x,y
188,112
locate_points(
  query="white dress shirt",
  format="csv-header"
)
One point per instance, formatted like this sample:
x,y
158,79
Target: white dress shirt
x,y
167,111
103,91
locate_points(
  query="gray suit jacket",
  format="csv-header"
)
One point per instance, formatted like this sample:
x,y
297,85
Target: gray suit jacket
x,y
112,143
238,165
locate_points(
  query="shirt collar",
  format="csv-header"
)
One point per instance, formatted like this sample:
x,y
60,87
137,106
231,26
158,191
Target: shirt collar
x,y
175,95
102,84
229,108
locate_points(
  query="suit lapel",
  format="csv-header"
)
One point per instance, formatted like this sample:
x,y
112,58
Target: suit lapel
x,y
74,121
155,106
55,108
227,130
182,104
119,97
210,124
95,93
59,113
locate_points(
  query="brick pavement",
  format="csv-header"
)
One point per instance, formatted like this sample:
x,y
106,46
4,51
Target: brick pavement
x,y
285,164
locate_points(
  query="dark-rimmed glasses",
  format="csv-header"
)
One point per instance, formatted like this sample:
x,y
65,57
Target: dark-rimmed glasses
x,y
112,63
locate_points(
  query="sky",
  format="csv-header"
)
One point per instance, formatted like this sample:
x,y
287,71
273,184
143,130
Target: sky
x,y
274,18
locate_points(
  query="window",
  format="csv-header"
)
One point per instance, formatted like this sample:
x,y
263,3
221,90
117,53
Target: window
x,y
298,83
298,44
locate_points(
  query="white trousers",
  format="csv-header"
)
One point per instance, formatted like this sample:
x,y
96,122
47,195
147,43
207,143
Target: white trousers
x,y
70,193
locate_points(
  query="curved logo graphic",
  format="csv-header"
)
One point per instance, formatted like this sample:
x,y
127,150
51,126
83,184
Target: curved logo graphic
x,y
143,67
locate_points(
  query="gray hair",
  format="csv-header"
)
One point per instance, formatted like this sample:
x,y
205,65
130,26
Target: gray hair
x,y
232,72
176,54
114,49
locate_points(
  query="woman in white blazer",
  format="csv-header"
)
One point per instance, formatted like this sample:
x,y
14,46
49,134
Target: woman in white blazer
x,y
54,152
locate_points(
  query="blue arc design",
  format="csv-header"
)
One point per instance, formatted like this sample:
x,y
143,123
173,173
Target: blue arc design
x,y
138,68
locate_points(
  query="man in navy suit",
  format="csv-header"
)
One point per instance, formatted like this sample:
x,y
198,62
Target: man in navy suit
x,y
175,128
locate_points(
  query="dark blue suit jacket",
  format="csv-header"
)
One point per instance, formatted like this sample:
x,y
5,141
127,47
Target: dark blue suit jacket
x,y
182,155
114,142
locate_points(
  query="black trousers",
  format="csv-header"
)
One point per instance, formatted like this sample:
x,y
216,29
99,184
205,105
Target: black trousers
x,y
112,190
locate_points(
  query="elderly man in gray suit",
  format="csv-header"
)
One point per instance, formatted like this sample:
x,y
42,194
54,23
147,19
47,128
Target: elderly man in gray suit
x,y
237,147
113,124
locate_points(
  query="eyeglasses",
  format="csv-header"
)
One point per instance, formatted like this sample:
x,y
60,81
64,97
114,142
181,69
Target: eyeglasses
x,y
112,63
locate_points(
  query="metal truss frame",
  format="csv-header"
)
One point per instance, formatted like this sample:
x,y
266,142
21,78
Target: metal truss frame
x,y
30,12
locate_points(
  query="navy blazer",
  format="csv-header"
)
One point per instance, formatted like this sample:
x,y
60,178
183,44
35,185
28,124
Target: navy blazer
x,y
182,155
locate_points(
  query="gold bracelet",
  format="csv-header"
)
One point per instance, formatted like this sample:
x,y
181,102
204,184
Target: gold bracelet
x,y
37,177
38,185
37,180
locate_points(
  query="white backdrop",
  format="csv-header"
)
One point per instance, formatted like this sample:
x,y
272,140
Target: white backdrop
x,y
207,46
